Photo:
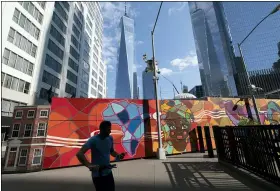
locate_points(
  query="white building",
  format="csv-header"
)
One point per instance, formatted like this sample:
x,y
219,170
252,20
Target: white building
x,y
46,44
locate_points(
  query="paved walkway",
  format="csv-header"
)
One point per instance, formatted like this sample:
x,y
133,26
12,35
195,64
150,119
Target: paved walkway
x,y
181,172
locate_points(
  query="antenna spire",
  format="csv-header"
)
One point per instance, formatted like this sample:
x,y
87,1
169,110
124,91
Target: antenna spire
x,y
125,9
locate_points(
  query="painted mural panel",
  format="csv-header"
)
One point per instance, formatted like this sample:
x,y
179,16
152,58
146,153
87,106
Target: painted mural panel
x,y
134,129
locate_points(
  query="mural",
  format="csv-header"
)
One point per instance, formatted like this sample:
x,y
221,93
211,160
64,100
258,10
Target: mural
x,y
73,121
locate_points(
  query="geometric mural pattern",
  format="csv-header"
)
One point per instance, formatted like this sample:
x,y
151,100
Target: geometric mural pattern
x,y
73,121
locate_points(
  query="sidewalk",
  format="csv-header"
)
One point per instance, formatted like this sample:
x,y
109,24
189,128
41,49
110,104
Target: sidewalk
x,y
181,172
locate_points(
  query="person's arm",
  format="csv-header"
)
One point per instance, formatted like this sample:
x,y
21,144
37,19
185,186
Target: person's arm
x,y
114,153
81,155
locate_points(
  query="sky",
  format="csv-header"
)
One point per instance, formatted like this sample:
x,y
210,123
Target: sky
x,y
174,43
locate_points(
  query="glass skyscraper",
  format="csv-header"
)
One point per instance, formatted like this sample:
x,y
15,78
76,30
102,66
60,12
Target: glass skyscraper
x,y
124,77
148,85
260,48
213,49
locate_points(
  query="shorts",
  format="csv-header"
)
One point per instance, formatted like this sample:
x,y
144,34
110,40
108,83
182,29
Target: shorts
x,y
103,183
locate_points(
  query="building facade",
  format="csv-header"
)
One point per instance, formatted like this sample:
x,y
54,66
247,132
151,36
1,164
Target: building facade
x,y
213,49
197,91
148,85
124,76
27,138
135,86
54,45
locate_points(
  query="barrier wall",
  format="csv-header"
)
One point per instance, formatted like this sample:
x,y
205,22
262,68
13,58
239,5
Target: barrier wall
x,y
73,121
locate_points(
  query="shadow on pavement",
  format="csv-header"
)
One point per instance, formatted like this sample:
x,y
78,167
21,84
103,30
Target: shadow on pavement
x,y
206,176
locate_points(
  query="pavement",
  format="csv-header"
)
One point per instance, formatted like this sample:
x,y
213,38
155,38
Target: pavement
x,y
180,172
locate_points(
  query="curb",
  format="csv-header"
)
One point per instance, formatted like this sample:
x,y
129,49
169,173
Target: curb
x,y
258,181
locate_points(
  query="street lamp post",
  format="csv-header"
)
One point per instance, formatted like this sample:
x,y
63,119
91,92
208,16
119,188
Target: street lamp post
x,y
277,8
160,151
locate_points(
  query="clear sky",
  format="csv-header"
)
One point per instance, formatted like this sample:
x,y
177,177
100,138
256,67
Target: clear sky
x,y
174,43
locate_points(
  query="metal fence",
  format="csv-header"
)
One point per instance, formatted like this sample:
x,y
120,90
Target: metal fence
x,y
254,148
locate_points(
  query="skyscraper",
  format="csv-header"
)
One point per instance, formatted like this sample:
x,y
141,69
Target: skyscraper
x,y
213,49
51,44
135,86
124,76
148,85
260,48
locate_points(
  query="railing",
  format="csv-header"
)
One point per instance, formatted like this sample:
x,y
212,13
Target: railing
x,y
254,148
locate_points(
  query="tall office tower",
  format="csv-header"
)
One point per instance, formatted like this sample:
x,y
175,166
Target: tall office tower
x,y
213,49
51,44
148,85
259,49
135,86
124,76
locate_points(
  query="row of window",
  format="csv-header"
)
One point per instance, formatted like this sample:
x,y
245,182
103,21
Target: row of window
x,y
32,10
76,31
14,83
31,114
42,4
65,4
37,156
78,23
50,79
79,13
61,11
21,42
59,22
55,49
17,62
72,77
57,35
53,64
26,24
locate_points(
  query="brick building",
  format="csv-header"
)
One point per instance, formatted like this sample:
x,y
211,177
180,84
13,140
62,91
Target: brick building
x,y
27,139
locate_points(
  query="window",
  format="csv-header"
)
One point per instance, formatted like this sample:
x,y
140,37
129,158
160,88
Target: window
x,y
85,76
15,132
94,73
95,49
84,85
70,89
22,157
28,130
44,113
50,79
29,6
78,23
42,4
61,11
100,88
65,4
59,23
44,94
73,65
8,81
75,42
26,24
95,57
100,80
93,82
53,64
88,29
15,61
37,157
57,35
87,38
82,94
31,114
74,53
21,87
76,31
86,56
18,114
41,129
93,91
21,42
55,49
89,21
72,77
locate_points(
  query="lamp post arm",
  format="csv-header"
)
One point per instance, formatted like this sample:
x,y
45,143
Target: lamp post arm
x,y
156,19
171,83
254,28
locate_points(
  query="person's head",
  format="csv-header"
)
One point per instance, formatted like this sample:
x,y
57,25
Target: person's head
x,y
105,128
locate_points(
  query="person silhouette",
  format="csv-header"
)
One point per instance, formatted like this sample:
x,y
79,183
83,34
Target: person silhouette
x,y
101,147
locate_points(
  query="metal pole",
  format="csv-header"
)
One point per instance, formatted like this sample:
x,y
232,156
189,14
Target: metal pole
x,y
250,85
161,151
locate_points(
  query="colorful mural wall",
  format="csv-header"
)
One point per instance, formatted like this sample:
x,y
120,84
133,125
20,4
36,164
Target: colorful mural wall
x,y
73,121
